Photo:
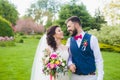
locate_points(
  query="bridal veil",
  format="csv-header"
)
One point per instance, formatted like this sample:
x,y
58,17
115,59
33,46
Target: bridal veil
x,y
37,73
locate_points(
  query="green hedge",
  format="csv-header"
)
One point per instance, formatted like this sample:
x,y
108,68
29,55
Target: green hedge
x,y
7,43
5,28
106,47
108,34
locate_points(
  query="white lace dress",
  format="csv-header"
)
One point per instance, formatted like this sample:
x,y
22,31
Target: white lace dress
x,y
63,51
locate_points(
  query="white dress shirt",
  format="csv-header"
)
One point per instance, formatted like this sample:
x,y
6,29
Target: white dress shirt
x,y
96,51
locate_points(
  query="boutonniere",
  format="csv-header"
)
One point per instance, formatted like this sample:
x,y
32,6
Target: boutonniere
x,y
85,44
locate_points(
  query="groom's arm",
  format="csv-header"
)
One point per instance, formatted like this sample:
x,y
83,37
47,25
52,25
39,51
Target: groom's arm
x,y
98,57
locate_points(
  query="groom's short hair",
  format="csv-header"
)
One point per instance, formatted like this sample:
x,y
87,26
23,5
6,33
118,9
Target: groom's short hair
x,y
73,19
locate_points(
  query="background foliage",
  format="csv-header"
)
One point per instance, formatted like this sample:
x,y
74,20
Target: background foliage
x,y
28,26
5,28
8,11
108,35
88,22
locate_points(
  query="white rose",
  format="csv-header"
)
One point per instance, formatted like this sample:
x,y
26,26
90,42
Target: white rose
x,y
63,64
60,60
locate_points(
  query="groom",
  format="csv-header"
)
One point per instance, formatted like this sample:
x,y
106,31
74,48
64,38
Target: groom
x,y
85,56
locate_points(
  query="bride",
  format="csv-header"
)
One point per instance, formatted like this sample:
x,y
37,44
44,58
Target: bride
x,y
51,41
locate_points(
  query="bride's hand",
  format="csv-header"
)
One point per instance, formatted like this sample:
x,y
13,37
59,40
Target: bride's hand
x,y
72,67
46,55
48,52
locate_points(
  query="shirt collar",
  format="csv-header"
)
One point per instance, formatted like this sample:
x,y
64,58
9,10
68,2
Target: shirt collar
x,y
82,33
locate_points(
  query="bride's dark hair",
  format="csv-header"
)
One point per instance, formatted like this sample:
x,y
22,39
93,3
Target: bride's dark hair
x,y
50,39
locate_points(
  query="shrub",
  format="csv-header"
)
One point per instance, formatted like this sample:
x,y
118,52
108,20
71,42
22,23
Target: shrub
x,y
64,41
19,40
7,43
108,35
21,34
6,38
106,47
5,28
38,37
24,37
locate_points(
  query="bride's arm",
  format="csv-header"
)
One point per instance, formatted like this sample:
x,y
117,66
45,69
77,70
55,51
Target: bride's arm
x,y
70,56
70,64
46,53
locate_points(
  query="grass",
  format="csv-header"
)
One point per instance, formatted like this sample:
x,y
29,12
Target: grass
x,y
111,65
16,62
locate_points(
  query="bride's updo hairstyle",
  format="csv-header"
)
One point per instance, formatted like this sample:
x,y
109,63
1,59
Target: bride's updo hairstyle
x,y
50,39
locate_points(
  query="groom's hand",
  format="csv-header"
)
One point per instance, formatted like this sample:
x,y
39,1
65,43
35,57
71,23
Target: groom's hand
x,y
72,67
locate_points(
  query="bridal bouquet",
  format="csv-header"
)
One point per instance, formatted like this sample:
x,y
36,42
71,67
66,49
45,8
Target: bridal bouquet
x,y
53,64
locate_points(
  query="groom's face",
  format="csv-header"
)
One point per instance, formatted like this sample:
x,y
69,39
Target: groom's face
x,y
71,28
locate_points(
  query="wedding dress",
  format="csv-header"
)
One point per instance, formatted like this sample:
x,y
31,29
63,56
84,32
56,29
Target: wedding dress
x,y
37,73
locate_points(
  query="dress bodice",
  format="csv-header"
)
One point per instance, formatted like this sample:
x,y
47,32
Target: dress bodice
x,y
62,50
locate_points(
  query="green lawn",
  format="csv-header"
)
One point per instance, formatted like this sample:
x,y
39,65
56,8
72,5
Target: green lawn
x,y
111,65
16,62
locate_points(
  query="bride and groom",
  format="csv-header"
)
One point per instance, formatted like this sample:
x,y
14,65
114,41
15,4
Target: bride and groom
x,y
81,52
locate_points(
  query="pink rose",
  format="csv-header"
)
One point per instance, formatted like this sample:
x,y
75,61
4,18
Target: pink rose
x,y
53,56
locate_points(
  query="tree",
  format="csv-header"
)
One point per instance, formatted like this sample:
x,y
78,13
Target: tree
x,y
74,10
44,8
98,20
73,2
8,11
112,12
28,26
5,28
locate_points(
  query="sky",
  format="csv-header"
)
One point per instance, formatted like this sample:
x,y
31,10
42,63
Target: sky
x,y
91,5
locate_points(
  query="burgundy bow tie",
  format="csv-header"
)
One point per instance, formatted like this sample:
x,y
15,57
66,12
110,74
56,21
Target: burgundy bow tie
x,y
76,37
